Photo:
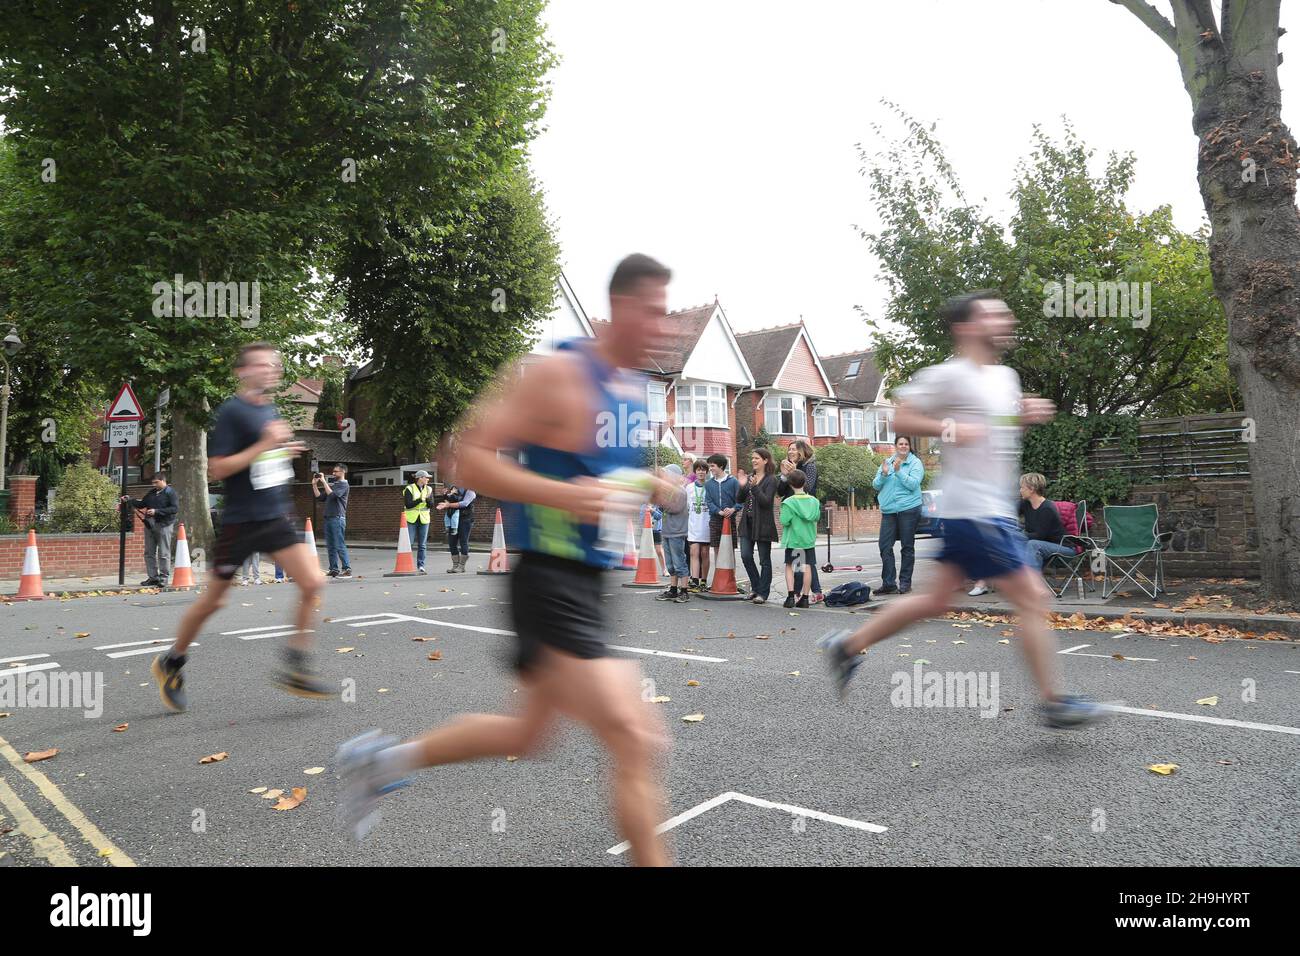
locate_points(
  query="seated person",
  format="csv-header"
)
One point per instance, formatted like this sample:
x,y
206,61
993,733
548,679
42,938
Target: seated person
x,y
1043,525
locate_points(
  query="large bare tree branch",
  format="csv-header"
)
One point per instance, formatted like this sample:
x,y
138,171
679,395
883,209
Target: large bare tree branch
x,y
1153,19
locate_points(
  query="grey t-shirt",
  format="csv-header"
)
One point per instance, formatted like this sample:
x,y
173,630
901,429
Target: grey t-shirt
x,y
336,503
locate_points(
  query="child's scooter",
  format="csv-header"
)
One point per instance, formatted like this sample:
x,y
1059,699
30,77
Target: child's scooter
x,y
827,568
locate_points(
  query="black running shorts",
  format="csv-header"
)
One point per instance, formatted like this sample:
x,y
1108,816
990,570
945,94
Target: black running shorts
x,y
556,604
238,541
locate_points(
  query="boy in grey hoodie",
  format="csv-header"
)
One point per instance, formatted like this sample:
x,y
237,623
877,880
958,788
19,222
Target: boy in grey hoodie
x,y
673,534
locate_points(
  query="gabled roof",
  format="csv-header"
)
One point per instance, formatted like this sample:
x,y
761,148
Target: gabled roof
x,y
863,387
768,350
686,327
328,445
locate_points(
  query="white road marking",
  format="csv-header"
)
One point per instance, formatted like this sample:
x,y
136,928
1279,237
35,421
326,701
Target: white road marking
x,y
25,657
1202,719
113,647
12,671
1291,672
140,650
389,615
283,632
254,630
1073,652
685,657
722,798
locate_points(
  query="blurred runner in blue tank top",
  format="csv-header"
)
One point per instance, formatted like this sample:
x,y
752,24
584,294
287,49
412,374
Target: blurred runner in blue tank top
x,y
579,416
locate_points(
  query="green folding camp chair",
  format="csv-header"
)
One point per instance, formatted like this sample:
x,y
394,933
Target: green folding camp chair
x,y
1133,538
1077,564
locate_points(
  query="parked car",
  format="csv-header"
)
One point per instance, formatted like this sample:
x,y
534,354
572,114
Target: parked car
x,y
931,520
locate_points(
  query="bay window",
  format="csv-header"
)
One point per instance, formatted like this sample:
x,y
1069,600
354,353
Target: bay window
x,y
702,405
785,415
826,421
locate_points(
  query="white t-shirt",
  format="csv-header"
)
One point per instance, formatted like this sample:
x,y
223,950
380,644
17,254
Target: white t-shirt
x,y
697,524
979,480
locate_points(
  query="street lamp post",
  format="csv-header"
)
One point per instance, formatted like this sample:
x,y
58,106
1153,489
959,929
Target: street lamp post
x,y
12,346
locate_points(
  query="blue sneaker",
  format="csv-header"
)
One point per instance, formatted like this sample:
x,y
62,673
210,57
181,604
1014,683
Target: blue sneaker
x,y
841,663
363,782
1068,711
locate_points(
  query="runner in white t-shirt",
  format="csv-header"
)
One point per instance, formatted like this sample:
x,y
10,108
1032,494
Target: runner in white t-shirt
x,y
975,406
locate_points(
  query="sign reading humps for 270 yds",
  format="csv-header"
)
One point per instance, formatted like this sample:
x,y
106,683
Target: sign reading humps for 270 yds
x,y
76,909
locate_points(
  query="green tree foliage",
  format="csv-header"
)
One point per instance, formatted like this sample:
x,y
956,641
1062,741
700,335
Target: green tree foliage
x,y
841,467
1059,451
331,401
1069,225
253,141
85,501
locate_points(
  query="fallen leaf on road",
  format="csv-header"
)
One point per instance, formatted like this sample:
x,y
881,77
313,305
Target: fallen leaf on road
x,y
272,794
33,756
423,639
693,718
932,642
1191,658
214,758
312,771
959,642
964,627
660,700
1164,769
1225,763
731,634
82,634
1008,633
106,852
692,683
288,803
762,637
383,690
258,790
794,673
904,655
1210,701
3,714
435,655
1119,657
652,632
511,759
919,660
915,764
1004,642
120,727
344,650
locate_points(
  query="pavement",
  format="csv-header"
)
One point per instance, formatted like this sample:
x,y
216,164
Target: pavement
x,y
778,771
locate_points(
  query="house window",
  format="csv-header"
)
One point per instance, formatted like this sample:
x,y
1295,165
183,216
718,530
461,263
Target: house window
x,y
656,400
702,405
854,366
785,415
853,423
826,421
884,422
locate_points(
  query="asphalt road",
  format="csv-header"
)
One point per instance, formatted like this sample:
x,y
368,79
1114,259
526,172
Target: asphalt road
x,y
814,781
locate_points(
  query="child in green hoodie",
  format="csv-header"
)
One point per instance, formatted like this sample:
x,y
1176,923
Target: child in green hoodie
x,y
799,515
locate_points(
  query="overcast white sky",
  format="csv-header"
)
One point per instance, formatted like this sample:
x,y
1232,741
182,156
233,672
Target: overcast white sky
x,y
718,135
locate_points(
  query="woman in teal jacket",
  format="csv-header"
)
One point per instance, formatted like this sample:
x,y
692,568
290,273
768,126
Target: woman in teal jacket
x,y
898,488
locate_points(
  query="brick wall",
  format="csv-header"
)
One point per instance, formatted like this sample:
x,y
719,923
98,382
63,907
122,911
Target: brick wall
x,y
866,521
73,555
22,498
1213,525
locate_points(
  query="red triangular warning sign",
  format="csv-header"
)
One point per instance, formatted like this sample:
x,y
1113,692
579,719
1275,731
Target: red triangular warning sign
x,y
126,407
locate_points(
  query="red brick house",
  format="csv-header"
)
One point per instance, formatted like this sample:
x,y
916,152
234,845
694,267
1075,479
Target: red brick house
x,y
789,381
859,414
696,382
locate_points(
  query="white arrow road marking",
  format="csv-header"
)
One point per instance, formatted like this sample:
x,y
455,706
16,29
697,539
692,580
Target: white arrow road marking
x,y
685,657
113,647
1073,652
722,798
1202,719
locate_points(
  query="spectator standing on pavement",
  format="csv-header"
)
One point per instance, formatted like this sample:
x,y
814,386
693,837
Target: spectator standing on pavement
x,y
758,522
335,495
158,510
799,457
415,499
720,490
800,512
697,534
457,509
675,525
898,492
252,569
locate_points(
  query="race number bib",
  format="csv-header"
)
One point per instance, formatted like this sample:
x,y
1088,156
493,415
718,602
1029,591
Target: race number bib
x,y
270,469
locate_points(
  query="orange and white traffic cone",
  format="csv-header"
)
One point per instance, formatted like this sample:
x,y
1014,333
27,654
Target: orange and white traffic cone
x,y
309,538
629,550
499,560
647,564
405,565
182,572
29,586
723,587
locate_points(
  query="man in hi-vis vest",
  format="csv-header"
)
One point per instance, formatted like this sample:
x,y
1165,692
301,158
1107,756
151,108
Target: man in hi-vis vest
x,y
415,497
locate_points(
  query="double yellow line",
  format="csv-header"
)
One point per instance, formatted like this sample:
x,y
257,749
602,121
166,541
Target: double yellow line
x,y
48,845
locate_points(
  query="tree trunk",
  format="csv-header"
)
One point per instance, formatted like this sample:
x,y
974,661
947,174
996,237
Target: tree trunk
x,y
1247,174
190,478
1255,261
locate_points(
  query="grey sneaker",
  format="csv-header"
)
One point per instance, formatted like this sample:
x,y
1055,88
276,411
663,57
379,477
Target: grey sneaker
x,y
842,664
1067,712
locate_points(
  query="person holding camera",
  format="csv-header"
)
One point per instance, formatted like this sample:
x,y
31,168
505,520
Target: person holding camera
x,y
158,510
415,498
335,495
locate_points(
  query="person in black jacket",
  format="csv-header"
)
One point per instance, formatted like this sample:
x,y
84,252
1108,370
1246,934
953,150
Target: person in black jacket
x,y
758,522
158,510
1043,525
